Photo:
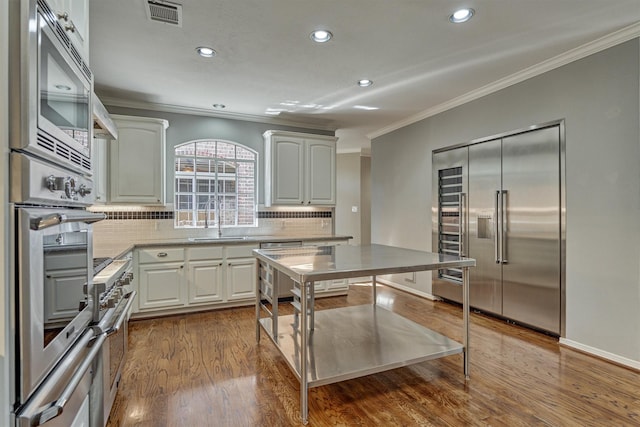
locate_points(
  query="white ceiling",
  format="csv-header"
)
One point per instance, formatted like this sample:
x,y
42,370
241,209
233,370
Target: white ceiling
x,y
416,58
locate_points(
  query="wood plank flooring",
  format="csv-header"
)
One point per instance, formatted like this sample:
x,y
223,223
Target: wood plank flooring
x,y
205,369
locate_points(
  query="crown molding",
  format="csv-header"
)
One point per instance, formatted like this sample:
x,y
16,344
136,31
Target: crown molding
x,y
598,45
194,111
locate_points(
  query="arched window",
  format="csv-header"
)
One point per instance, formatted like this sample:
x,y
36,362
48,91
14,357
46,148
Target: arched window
x,y
215,180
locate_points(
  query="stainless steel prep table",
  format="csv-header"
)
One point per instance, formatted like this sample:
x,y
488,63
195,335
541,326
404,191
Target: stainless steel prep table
x,y
350,342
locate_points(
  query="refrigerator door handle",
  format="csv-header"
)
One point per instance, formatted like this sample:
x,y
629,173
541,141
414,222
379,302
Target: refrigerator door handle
x,y
503,226
463,221
496,228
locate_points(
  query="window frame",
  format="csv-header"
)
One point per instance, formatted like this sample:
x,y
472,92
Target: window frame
x,y
195,208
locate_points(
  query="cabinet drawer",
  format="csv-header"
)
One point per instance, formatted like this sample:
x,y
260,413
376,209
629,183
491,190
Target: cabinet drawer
x,y
244,251
205,252
160,255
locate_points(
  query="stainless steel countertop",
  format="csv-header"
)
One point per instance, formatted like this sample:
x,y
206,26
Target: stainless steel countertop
x,y
341,262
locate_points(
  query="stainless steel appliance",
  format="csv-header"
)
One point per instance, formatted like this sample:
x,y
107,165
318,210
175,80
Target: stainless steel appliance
x,y
500,200
114,299
50,122
51,91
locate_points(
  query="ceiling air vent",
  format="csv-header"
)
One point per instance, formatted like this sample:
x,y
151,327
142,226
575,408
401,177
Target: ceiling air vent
x,y
164,11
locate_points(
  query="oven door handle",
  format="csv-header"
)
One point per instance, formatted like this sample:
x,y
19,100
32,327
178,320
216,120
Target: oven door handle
x,y
118,324
46,221
55,408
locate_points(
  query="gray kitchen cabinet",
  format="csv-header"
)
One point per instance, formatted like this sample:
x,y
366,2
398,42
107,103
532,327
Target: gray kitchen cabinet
x,y
99,168
73,16
161,279
300,169
137,161
183,279
241,272
205,275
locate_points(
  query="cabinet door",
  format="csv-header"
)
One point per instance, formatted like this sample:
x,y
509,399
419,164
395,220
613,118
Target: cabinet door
x,y
62,288
320,173
205,281
241,278
137,161
99,165
161,285
287,171
73,16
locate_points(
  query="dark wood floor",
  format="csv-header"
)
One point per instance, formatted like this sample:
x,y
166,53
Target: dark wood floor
x,y
206,369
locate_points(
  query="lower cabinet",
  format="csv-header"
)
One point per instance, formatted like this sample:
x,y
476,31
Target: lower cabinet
x,y
161,285
179,279
241,278
205,281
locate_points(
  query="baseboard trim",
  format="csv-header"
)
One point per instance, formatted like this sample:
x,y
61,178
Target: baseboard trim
x,y
601,354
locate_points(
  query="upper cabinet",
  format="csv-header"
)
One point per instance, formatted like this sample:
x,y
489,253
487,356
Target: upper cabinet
x,y
73,16
137,161
300,169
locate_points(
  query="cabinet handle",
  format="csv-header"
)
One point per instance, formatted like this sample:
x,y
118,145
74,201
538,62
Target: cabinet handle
x,y
182,266
162,254
70,27
302,202
63,15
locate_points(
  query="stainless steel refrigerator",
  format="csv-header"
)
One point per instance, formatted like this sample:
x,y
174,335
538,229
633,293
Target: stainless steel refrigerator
x,y
500,200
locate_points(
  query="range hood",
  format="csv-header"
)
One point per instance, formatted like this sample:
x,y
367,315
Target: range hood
x,y
103,126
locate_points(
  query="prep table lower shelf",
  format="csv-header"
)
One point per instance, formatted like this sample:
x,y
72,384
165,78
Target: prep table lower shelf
x,y
355,341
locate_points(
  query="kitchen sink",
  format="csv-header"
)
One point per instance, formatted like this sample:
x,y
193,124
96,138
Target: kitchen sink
x,y
217,239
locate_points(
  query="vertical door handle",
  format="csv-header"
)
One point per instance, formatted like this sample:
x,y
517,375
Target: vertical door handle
x,y
463,231
496,228
503,227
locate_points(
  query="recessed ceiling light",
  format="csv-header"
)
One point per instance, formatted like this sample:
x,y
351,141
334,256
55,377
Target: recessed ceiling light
x,y
219,106
461,15
365,82
321,36
206,52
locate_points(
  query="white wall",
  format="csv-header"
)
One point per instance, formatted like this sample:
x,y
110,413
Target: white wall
x,y
348,196
599,98
4,220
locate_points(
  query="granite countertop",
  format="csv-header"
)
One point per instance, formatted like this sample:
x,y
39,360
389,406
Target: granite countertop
x,y
230,240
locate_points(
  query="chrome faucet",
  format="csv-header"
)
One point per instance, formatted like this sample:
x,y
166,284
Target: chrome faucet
x,y
207,211
218,202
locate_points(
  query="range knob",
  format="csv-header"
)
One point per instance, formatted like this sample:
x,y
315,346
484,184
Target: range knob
x,y
83,190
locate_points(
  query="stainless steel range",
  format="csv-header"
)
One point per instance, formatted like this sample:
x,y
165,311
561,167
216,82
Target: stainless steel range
x,y
114,298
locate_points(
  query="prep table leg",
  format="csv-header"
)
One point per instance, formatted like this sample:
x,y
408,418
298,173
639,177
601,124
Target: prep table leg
x,y
304,343
374,285
465,319
258,299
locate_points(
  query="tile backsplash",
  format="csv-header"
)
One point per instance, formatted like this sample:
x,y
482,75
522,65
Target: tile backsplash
x,y
126,225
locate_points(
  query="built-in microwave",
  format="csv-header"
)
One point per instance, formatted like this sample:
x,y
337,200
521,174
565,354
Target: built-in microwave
x,y
55,91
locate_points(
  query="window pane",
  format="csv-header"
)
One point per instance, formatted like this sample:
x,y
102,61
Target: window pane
x,y
204,185
206,149
184,164
243,153
185,150
184,185
202,165
226,150
184,202
229,186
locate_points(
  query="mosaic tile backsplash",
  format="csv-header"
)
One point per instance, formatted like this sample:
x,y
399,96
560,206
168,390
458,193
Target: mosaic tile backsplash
x,y
126,226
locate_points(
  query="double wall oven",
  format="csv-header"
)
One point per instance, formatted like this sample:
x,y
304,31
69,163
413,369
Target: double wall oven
x,y
58,340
